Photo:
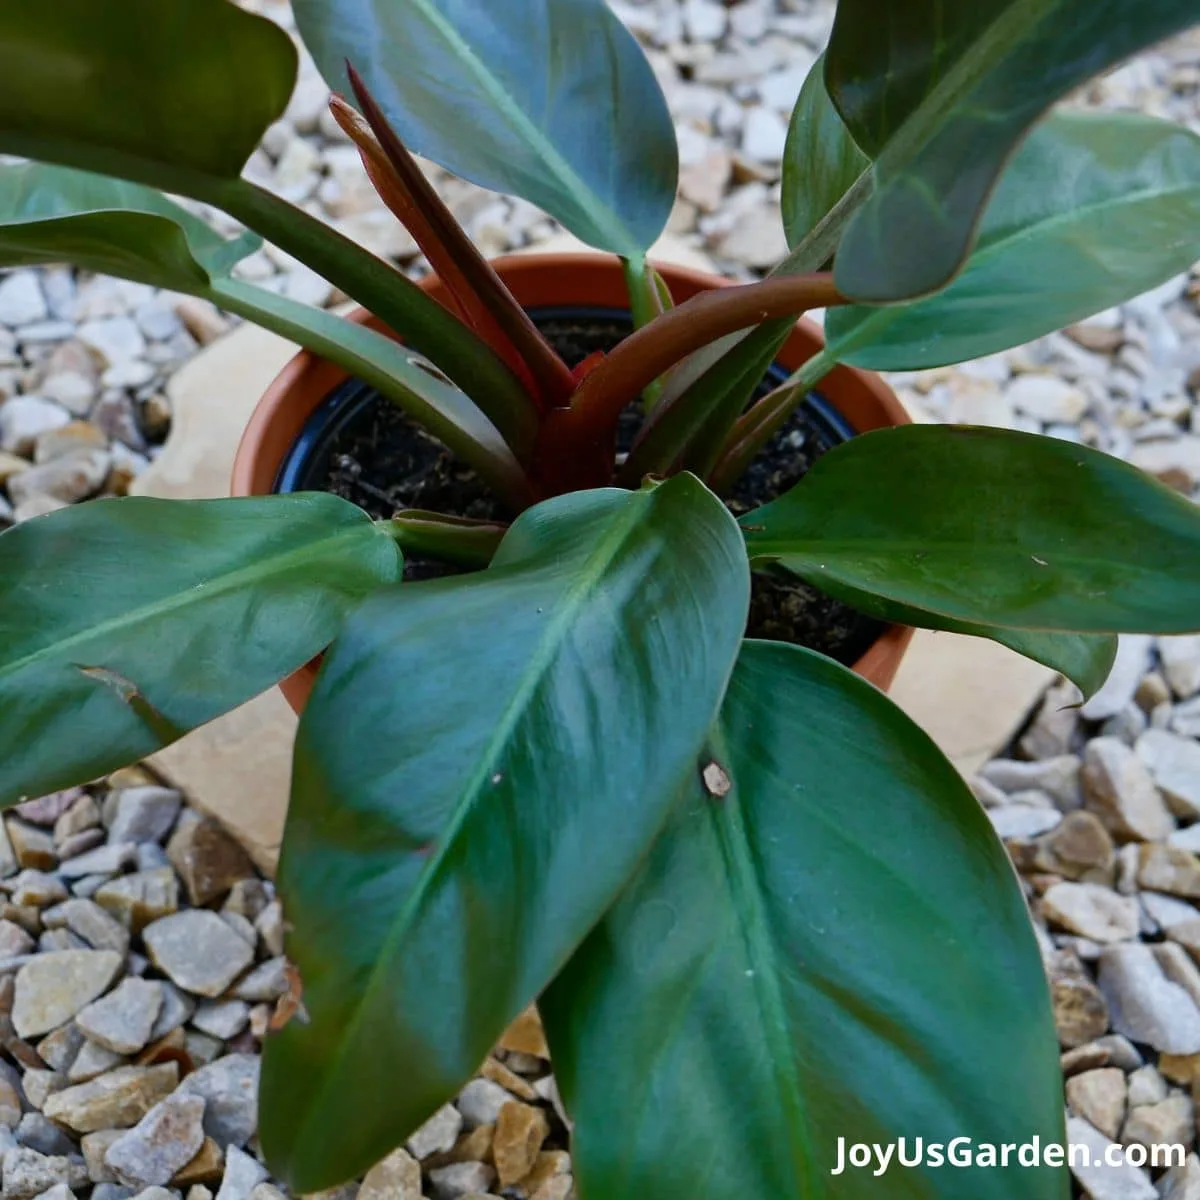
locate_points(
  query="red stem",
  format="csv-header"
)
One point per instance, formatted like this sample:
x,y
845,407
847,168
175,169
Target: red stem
x,y
484,300
575,448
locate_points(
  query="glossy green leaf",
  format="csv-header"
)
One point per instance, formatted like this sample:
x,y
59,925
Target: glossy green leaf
x,y
835,949
481,766
1094,209
125,623
821,161
1086,659
549,100
940,94
55,214
160,92
991,527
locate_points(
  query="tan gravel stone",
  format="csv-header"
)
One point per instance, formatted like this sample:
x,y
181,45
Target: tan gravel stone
x,y
521,1130
1169,869
113,1101
52,988
397,1177
1119,789
1099,1097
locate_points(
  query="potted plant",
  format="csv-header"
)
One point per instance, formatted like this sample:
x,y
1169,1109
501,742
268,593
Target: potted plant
x,y
559,770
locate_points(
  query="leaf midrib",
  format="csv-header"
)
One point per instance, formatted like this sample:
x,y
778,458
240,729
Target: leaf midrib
x,y
197,593
729,827
591,570
992,45
810,551
562,170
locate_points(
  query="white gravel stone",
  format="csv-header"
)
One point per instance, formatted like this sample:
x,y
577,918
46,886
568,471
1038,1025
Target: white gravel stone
x,y
113,340
28,1174
1047,398
23,419
144,814
21,299
165,1140
704,20
242,1175
198,951
222,1019
438,1134
1023,821
1102,1182
480,1102
1133,656
229,1087
1146,1006
122,1020
1181,664
1091,911
1174,763
764,134
461,1180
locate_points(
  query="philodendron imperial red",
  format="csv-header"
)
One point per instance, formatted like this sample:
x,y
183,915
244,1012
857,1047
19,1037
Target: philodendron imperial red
x,y
563,773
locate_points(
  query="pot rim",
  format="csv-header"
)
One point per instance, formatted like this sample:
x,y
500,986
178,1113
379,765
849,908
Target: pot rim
x,y
861,397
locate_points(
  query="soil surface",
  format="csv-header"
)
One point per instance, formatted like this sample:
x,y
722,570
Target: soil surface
x,y
382,461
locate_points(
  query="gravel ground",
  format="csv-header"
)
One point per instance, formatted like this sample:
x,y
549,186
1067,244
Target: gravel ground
x,y
139,951
140,967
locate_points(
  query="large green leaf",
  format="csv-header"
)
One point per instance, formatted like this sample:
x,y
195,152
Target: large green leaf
x,y
482,764
1086,659
991,527
939,94
55,214
821,161
125,623
835,949
1095,208
163,93
552,101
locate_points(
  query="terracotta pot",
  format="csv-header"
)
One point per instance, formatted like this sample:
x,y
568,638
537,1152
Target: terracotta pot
x,y
552,281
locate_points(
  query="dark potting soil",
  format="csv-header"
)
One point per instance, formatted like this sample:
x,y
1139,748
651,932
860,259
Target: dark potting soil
x,y
382,462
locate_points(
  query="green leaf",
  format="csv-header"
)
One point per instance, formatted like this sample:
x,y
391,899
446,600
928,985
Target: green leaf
x,y
161,93
940,94
406,379
821,161
55,214
837,948
125,623
991,527
482,764
1094,209
1086,659
553,102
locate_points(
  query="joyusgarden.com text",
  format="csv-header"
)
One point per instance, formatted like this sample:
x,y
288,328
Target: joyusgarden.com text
x,y
907,1153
